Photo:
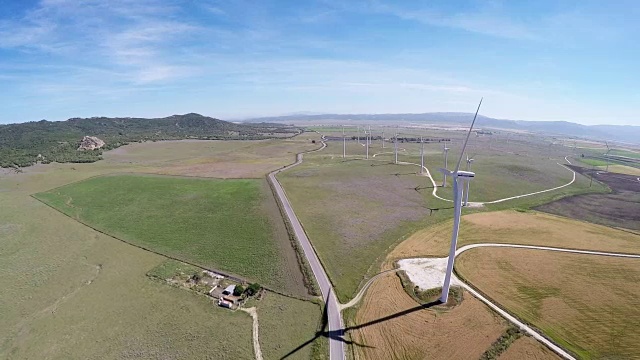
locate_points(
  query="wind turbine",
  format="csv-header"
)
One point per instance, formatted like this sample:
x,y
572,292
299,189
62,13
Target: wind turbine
x,y
458,179
344,144
607,155
466,193
421,155
382,140
367,138
395,145
446,165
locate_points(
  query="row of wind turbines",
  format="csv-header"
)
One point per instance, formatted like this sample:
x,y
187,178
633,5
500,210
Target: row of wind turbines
x,y
368,141
460,178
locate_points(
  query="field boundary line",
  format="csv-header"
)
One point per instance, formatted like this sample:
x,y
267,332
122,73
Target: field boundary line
x,y
523,325
233,277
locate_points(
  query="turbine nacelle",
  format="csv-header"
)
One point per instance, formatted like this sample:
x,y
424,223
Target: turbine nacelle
x,y
460,173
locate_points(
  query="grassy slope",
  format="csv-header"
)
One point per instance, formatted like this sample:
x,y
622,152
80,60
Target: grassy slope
x,y
46,259
72,293
215,223
586,303
279,312
325,188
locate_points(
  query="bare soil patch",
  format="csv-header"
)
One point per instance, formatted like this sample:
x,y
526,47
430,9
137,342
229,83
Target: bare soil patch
x,y
463,332
528,348
586,303
620,208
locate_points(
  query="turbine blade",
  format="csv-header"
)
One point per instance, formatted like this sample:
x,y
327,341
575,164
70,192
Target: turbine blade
x,y
468,134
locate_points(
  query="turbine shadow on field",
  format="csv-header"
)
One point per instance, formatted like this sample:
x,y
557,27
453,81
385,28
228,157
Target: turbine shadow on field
x,y
339,334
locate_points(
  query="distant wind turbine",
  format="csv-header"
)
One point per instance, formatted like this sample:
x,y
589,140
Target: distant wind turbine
x,y
421,155
466,193
607,155
344,144
367,138
446,164
458,179
395,144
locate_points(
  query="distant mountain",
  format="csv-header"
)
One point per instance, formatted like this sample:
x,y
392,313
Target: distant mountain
x,y
24,144
621,133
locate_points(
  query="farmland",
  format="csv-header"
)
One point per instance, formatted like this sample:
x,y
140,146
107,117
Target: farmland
x,y
507,226
514,227
219,224
618,208
464,332
300,318
586,303
528,348
386,203
72,292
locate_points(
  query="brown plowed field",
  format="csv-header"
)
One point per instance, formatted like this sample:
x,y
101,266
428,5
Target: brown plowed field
x,y
620,208
588,304
464,332
528,348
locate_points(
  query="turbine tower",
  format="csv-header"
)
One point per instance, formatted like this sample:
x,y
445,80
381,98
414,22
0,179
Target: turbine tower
x,y
395,145
344,144
459,177
446,165
466,193
367,137
382,140
421,155
607,155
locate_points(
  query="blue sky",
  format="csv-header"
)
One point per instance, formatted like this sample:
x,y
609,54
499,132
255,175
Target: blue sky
x,y
532,60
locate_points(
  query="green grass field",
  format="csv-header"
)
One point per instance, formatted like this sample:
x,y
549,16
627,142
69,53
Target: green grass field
x,y
300,318
70,292
219,224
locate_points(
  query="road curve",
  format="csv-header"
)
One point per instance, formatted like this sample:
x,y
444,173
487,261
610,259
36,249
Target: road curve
x,y
560,351
356,299
435,187
336,347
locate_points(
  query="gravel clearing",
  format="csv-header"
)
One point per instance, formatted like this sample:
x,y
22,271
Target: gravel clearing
x,y
426,273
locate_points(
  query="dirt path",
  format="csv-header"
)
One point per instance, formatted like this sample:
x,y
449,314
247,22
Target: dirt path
x,y
531,331
256,341
356,299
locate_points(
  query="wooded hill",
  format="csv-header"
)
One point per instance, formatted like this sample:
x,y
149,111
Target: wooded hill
x,y
57,141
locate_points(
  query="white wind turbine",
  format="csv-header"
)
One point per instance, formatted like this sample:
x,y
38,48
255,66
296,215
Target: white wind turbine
x,y
466,192
382,140
367,140
395,145
344,144
458,179
421,155
607,155
446,165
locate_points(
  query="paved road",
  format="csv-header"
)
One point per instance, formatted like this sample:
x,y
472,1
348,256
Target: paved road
x,y
513,319
336,347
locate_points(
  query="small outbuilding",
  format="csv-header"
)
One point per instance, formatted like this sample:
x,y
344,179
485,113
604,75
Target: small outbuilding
x,y
229,290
